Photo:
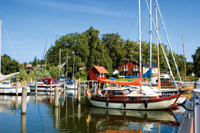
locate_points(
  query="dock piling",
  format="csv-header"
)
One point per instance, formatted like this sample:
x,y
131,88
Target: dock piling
x,y
17,88
56,96
51,86
35,87
24,95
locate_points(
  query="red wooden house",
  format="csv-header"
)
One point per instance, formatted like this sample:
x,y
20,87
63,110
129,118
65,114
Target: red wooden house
x,y
97,72
129,68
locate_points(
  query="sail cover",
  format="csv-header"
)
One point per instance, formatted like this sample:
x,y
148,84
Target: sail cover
x,y
64,77
137,82
145,75
2,77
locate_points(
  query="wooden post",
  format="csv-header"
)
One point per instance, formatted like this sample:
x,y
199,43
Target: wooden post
x,y
51,86
35,99
56,96
79,93
35,87
51,97
79,111
16,101
92,83
84,84
95,90
64,84
56,118
74,84
24,94
17,88
23,123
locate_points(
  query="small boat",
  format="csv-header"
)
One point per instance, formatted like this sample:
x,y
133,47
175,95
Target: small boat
x,y
44,85
123,98
70,84
9,88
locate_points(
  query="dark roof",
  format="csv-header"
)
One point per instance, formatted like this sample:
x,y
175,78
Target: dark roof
x,y
147,65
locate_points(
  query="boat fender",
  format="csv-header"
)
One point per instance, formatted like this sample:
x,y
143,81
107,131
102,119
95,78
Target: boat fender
x,y
106,103
145,104
124,104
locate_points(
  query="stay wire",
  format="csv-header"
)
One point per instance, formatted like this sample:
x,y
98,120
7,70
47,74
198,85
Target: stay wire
x,y
9,40
122,16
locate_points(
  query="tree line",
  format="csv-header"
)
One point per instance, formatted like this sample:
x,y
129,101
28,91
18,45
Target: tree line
x,y
108,50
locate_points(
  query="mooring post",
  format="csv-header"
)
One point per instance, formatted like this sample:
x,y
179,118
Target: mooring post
x,y
35,87
74,84
99,86
64,84
51,97
16,101
95,90
17,88
56,118
23,123
51,86
35,99
24,94
79,111
56,96
79,93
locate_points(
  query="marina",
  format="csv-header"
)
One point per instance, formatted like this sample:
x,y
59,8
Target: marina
x,y
72,115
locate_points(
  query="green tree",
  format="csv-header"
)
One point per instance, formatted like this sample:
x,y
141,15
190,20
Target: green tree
x,y
34,63
9,65
196,61
115,48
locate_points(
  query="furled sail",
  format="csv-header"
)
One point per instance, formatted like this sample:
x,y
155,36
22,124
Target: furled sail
x,y
2,77
145,75
137,82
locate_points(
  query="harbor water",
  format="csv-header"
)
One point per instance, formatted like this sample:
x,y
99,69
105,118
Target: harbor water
x,y
72,116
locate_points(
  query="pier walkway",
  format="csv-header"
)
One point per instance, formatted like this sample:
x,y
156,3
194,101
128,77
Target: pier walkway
x,y
186,125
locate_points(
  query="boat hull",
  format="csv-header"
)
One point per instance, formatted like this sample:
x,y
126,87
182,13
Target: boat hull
x,y
153,104
12,90
44,88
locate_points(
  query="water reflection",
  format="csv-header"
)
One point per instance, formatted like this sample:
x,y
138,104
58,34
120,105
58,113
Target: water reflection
x,y
9,103
74,116
124,120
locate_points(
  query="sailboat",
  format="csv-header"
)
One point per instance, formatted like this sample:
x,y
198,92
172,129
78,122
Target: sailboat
x,y
9,87
123,98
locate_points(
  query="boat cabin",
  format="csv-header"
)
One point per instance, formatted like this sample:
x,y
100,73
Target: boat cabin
x,y
48,80
126,94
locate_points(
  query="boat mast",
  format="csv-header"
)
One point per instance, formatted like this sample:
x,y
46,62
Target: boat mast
x,y
73,65
59,60
150,37
163,51
184,57
67,65
140,57
157,51
168,41
0,45
45,62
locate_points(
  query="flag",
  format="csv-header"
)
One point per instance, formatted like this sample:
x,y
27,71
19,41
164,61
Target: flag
x,y
87,91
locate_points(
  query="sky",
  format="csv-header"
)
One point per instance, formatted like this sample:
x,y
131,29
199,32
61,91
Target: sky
x,y
28,25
